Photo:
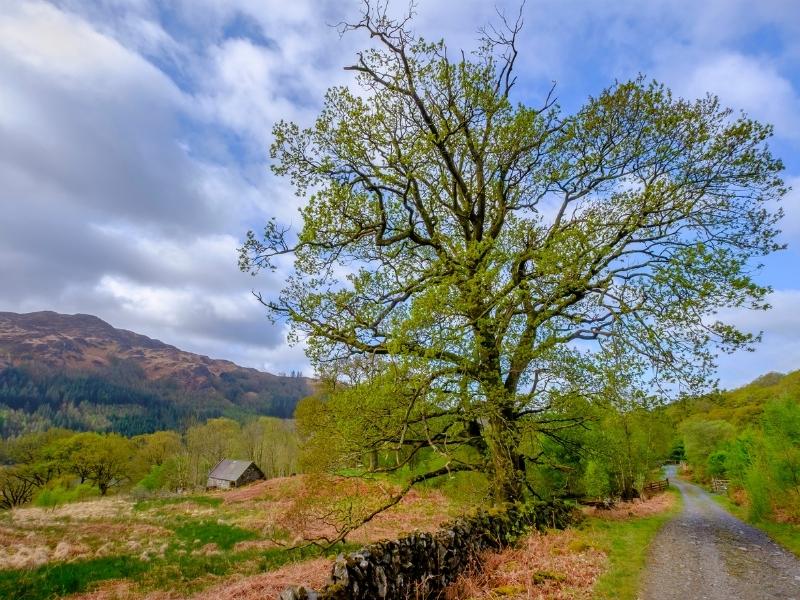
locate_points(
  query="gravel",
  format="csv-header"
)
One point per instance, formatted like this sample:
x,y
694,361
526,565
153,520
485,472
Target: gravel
x,y
707,554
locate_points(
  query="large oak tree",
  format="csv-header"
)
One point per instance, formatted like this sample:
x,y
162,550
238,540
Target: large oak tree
x,y
477,265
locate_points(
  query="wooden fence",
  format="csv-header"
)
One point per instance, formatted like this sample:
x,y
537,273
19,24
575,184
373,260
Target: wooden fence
x,y
649,489
654,487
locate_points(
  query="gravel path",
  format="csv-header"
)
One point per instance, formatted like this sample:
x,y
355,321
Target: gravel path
x,y
706,554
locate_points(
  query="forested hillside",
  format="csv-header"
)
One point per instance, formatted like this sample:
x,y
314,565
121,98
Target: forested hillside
x,y
750,436
742,406
78,372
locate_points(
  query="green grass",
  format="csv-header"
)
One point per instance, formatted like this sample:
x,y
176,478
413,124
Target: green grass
x,y
625,543
159,502
785,534
59,579
188,573
196,534
177,571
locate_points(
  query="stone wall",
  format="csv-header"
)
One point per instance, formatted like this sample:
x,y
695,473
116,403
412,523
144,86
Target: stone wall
x,y
421,564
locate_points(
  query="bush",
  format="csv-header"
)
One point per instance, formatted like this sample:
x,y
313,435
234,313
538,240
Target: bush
x,y
678,452
595,480
704,438
717,464
140,493
758,491
59,494
154,480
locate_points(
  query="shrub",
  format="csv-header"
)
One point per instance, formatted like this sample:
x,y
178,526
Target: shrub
x,y
717,464
154,480
678,451
758,491
703,438
62,494
595,480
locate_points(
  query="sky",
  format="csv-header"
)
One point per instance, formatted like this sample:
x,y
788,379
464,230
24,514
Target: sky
x,y
134,141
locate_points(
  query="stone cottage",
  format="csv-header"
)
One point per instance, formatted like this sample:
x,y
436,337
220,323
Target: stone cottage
x,y
233,473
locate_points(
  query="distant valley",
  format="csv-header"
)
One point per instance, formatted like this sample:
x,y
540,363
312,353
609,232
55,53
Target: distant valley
x,y
79,372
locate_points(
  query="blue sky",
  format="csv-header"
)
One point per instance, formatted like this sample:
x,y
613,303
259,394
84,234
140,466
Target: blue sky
x,y
134,136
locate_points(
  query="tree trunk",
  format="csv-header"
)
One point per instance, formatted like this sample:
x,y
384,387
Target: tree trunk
x,y
507,481
373,461
506,475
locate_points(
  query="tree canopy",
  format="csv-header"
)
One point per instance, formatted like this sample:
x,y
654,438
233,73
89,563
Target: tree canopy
x,y
473,266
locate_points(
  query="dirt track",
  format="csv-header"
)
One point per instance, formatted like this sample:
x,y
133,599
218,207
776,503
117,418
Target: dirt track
x,y
707,554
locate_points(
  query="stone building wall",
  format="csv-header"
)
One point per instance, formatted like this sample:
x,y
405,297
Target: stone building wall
x,y
421,564
253,473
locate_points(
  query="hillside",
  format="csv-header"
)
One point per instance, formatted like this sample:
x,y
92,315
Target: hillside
x,y
78,371
749,436
741,406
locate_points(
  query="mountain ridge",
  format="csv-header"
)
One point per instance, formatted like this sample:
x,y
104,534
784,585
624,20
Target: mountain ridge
x,y
59,362
17,329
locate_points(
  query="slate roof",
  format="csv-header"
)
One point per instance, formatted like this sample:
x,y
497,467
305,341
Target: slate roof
x,y
230,470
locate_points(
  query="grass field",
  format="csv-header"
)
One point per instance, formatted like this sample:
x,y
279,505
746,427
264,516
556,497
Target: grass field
x,y
179,546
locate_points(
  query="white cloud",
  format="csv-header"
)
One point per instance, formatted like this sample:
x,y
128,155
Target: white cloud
x,y
782,321
750,84
192,313
66,47
780,347
107,209
134,134
244,89
158,305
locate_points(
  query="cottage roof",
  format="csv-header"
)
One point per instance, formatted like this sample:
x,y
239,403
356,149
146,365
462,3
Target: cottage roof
x,y
230,470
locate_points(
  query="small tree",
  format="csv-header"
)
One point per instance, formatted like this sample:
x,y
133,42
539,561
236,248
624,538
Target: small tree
x,y
595,480
717,464
209,443
632,440
678,452
481,260
156,448
104,459
781,424
272,444
34,451
16,486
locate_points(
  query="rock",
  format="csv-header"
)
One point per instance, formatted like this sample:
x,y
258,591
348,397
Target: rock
x,y
289,594
298,593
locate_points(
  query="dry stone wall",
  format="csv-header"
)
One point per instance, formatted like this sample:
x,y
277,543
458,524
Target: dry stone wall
x,y
422,564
